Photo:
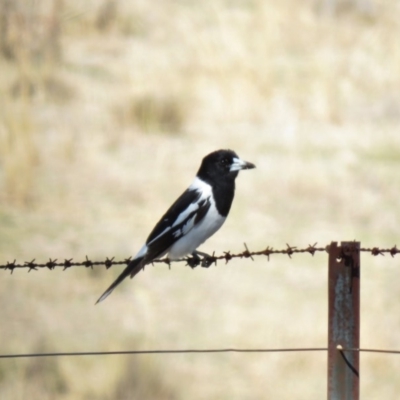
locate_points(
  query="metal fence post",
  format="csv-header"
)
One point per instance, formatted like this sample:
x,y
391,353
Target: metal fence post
x,y
344,321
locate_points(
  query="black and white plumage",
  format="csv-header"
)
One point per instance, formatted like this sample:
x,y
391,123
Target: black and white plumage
x,y
196,215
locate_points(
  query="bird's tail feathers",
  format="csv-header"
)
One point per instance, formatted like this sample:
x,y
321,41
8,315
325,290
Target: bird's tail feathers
x,y
132,269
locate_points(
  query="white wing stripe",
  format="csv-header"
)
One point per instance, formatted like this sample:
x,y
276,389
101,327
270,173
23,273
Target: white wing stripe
x,y
189,225
168,228
184,214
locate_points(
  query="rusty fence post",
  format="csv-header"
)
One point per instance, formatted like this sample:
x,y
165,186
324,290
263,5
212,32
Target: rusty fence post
x,y
344,321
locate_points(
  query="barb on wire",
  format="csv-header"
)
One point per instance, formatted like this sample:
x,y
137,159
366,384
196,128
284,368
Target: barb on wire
x,y
190,261
376,251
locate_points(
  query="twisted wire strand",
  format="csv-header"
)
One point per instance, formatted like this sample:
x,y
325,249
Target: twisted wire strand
x,y
207,261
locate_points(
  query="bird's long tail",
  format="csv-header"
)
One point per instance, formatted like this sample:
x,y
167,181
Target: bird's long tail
x,y
132,269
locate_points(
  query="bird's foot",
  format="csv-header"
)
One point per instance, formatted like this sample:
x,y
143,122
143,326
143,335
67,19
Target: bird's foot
x,y
195,260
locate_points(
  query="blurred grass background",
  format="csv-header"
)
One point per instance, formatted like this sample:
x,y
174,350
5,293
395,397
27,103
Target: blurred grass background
x,y
106,109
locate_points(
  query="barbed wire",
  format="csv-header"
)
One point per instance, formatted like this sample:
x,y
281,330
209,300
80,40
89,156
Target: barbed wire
x,y
191,351
192,262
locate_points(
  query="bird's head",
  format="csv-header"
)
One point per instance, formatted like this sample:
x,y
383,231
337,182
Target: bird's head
x,y
222,164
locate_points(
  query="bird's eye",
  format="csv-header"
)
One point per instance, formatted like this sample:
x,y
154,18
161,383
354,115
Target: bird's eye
x,y
224,161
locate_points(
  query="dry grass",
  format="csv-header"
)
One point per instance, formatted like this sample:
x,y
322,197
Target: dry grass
x,y
97,141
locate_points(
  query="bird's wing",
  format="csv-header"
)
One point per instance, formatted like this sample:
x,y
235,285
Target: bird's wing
x,y
188,210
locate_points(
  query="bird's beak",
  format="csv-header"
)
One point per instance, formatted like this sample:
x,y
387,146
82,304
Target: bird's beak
x,y
239,164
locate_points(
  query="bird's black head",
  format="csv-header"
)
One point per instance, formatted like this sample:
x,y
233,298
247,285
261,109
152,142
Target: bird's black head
x,y
222,164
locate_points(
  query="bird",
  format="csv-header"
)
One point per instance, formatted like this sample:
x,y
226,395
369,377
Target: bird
x,y
195,216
